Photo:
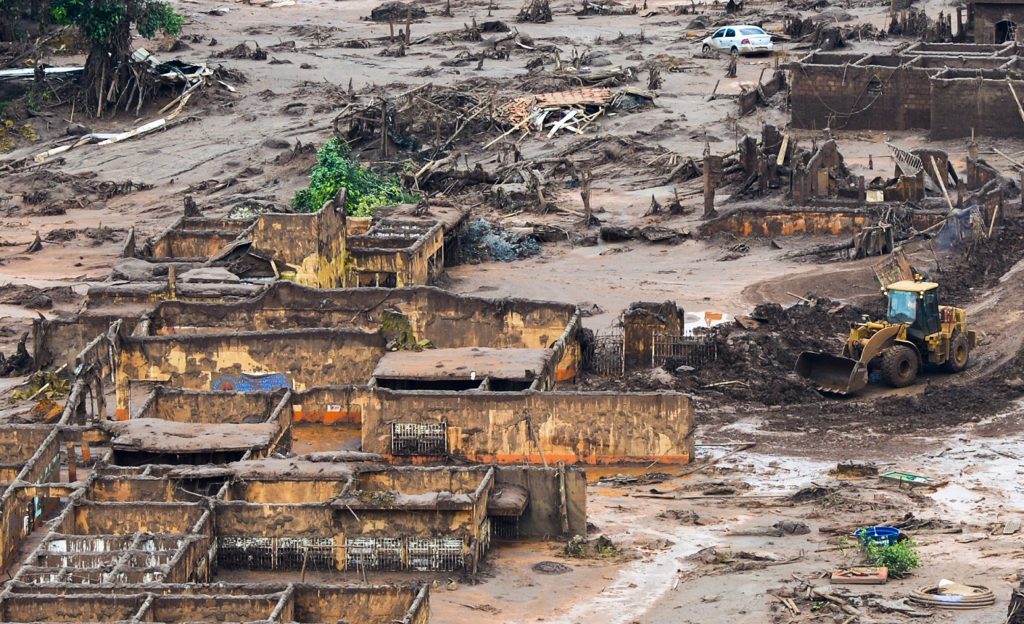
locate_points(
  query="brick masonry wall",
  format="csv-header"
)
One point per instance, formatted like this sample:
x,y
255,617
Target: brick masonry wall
x,y
986,16
986,106
825,96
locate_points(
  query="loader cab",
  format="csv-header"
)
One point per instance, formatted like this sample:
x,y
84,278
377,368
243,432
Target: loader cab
x,y
917,304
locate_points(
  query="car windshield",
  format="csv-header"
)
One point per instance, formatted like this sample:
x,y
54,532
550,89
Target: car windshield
x,y
902,306
752,31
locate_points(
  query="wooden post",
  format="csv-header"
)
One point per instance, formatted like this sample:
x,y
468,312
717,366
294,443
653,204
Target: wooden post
x,y
383,127
942,185
72,461
85,451
564,506
172,282
533,435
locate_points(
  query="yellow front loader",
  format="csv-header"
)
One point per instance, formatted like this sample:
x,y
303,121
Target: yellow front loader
x,y
916,331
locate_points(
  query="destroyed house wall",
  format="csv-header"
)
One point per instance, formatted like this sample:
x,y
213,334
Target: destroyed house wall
x,y
33,608
20,512
871,93
385,255
949,89
988,14
398,524
17,446
92,518
299,602
778,222
196,238
408,604
139,297
548,513
56,342
299,359
312,245
447,320
117,489
186,406
574,427
975,100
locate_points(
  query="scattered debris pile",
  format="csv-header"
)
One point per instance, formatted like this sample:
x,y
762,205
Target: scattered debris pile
x,y
916,23
572,111
51,192
535,11
19,362
756,354
396,12
485,241
819,32
982,264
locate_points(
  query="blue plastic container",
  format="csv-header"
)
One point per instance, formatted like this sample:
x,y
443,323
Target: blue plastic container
x,y
883,534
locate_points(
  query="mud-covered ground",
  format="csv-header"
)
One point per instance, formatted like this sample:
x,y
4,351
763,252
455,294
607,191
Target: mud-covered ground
x,y
254,146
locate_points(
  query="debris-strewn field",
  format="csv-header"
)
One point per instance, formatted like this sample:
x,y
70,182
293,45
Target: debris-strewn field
x,y
580,136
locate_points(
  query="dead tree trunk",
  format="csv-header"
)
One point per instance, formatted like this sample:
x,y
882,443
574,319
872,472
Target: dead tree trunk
x,y
712,172
585,196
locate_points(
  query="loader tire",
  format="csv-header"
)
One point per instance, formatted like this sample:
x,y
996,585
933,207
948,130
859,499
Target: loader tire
x,y
899,366
959,353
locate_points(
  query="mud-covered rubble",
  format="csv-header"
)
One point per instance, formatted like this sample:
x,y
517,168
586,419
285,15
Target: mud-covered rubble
x,y
980,265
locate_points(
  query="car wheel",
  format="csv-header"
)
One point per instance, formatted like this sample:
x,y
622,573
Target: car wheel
x,y
706,49
735,50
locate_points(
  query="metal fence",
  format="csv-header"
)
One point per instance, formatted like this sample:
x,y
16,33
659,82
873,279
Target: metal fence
x,y
694,351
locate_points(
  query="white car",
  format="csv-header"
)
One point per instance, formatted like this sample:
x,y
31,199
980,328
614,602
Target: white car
x,y
741,39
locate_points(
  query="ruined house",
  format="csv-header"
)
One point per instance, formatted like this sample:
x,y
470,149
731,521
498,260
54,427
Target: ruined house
x,y
995,21
952,90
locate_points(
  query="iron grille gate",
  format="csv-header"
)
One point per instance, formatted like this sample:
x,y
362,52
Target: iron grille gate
x,y
275,553
413,553
694,351
609,357
419,439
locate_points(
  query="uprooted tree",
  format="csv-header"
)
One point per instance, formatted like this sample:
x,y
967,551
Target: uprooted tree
x,y
110,77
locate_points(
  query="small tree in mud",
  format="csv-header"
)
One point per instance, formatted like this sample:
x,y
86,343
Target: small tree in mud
x,y
106,24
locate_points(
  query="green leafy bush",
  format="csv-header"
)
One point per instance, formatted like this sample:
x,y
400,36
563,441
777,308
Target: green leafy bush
x,y
100,19
900,558
336,169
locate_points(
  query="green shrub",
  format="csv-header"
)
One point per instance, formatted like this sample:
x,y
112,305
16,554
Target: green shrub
x,y
335,169
900,558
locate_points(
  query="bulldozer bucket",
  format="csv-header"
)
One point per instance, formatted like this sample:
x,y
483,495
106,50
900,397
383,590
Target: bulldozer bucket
x,y
832,373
